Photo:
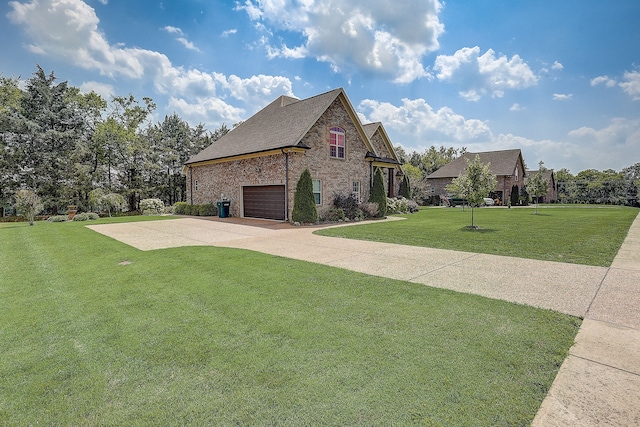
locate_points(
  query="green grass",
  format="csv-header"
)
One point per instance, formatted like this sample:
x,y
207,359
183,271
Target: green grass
x,y
215,336
578,235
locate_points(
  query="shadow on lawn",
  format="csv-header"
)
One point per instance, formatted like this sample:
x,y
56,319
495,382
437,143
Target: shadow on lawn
x,y
477,229
14,225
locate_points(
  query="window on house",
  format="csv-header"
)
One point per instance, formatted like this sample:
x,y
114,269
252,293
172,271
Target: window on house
x,y
336,143
196,186
516,173
355,190
317,191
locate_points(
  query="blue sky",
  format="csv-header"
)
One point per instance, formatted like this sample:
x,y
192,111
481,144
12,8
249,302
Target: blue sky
x,y
558,79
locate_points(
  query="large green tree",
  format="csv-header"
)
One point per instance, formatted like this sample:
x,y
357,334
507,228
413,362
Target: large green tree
x,y
474,184
47,130
173,141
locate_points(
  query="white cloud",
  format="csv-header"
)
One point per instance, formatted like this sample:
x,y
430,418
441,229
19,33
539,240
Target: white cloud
x,y
516,107
485,74
104,90
286,52
602,147
186,43
418,121
181,37
605,80
256,90
205,109
227,33
631,84
562,96
557,66
173,30
387,39
69,29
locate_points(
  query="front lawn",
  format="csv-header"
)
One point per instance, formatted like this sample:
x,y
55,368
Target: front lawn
x,y
94,332
588,235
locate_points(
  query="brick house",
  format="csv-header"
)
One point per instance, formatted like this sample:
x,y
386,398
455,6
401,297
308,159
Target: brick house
x,y
257,164
552,192
506,165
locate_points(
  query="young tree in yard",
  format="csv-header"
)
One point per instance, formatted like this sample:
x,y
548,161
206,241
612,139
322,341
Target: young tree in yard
x,y
377,193
474,184
28,204
537,186
304,204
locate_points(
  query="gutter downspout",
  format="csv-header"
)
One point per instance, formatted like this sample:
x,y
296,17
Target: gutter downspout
x,y
191,184
504,188
286,185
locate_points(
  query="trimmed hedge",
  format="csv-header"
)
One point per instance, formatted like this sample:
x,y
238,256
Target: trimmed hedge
x,y
183,208
179,208
85,216
208,209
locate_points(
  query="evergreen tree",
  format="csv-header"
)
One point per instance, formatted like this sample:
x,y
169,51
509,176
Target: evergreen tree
x,y
377,193
405,187
515,195
304,204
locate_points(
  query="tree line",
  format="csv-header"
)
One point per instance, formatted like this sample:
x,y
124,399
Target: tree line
x,y
600,187
63,144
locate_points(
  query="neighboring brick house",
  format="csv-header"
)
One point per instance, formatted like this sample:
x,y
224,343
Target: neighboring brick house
x,y
257,164
552,193
506,165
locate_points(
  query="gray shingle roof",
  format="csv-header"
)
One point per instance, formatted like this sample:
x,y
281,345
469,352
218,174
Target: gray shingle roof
x,y
283,123
502,163
371,128
546,174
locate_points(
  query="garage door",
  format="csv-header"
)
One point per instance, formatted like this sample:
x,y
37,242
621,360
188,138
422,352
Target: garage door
x,y
265,201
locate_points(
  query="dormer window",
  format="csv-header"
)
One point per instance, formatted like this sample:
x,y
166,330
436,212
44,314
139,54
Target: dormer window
x,y
336,143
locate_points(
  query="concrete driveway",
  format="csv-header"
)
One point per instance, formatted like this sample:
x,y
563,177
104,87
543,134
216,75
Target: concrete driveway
x,y
598,384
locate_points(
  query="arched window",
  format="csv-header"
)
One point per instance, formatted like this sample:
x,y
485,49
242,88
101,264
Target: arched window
x,y
336,143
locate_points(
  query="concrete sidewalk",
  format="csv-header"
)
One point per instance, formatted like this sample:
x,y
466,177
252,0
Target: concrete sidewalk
x,y
597,385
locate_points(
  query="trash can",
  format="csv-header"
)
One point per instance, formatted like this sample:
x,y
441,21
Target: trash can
x,y
223,208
